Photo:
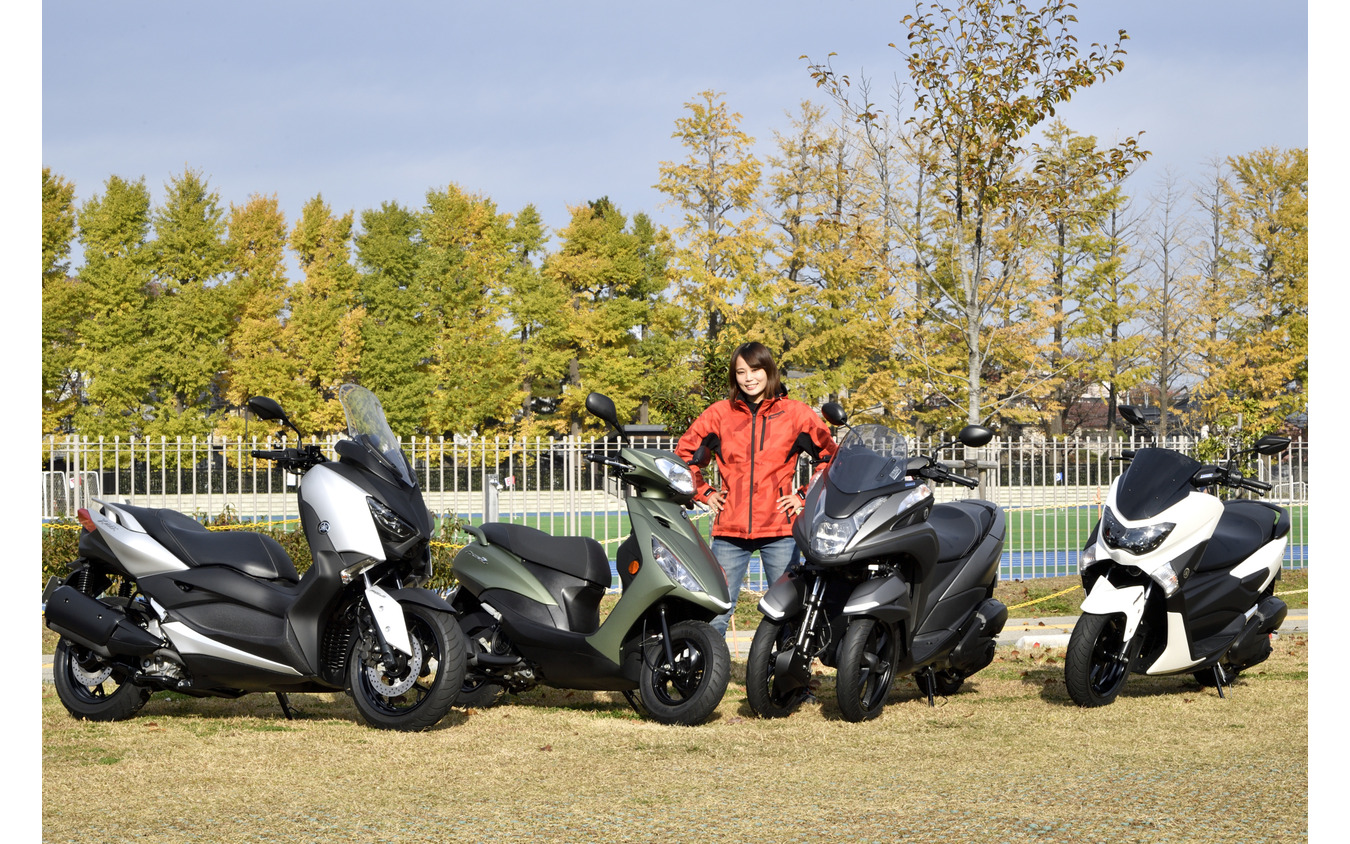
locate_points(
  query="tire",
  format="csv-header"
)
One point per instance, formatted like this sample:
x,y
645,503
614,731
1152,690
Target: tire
x,y
761,686
477,692
867,657
1228,673
1092,670
88,686
687,692
947,683
424,694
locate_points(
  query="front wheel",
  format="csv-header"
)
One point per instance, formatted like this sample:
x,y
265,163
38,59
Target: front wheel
x,y
1096,665
867,657
687,690
419,691
91,688
770,693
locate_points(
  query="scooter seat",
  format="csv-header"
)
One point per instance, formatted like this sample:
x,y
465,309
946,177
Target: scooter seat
x,y
1244,526
578,556
252,553
960,525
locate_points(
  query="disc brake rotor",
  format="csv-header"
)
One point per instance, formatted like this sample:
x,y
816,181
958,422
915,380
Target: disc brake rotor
x,y
87,678
386,685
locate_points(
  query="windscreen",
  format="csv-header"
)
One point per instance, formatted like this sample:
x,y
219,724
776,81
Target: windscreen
x,y
366,425
1156,479
869,456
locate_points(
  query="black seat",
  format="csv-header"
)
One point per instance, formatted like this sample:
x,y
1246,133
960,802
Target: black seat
x,y
960,525
1244,526
578,556
252,553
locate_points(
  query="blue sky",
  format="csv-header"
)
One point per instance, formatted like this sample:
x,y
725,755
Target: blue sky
x,y
558,103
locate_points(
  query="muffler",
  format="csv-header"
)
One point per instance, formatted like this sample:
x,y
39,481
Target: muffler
x,y
102,629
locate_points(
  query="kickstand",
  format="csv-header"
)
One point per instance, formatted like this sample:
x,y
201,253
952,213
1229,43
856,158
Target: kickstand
x,y
635,702
1218,679
285,701
932,684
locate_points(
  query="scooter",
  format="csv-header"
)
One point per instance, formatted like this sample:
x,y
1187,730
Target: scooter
x,y
1177,580
157,602
889,583
528,602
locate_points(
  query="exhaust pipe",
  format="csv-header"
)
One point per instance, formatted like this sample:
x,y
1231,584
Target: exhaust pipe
x,y
102,629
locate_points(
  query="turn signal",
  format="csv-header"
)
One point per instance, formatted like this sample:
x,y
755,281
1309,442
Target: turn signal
x,y
85,521
633,567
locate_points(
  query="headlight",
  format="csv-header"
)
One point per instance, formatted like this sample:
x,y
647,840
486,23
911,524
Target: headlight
x,y
390,521
677,475
671,565
1140,540
831,536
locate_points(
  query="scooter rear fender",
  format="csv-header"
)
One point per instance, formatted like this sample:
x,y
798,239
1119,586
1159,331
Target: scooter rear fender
x,y
1108,599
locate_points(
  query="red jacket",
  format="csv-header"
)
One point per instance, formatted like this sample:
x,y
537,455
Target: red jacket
x,y
756,458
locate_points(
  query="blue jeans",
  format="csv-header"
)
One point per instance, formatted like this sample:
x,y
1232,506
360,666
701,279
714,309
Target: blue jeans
x,y
775,555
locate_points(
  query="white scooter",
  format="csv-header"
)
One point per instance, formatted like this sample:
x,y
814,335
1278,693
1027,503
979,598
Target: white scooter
x,y
1177,580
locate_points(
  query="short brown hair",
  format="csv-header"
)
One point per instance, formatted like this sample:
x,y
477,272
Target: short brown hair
x,y
756,356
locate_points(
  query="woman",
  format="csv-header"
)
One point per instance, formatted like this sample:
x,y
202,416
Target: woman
x,y
756,434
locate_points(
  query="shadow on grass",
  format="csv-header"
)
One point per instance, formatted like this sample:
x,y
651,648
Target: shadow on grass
x,y
212,714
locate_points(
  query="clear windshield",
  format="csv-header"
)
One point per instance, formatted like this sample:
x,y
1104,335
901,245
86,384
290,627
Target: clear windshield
x,y
870,456
366,425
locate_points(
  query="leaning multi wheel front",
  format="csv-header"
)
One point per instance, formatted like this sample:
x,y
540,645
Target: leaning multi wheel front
x,y
867,656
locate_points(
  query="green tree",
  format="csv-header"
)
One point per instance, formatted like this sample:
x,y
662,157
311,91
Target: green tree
x,y
191,310
396,336
63,306
324,328
723,239
260,363
115,281
984,75
1258,352
474,365
613,276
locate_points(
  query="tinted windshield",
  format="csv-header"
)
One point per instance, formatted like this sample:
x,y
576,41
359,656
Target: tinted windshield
x,y
366,425
870,456
1156,479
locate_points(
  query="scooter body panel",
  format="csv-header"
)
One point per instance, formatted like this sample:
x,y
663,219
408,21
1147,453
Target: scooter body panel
x,y
342,513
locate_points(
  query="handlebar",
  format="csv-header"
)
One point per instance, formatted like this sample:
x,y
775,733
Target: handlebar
x,y
293,459
603,460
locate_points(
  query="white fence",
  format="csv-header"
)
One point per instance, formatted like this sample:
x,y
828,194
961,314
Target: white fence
x,y
1052,490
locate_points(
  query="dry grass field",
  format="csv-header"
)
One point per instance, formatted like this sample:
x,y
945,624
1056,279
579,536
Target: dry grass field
x,y
1009,758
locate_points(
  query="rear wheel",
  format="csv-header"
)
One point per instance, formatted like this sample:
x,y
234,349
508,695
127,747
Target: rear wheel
x,y
419,691
769,692
867,658
687,690
92,688
1095,666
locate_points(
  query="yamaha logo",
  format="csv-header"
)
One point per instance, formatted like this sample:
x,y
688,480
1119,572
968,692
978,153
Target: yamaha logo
x,y
323,527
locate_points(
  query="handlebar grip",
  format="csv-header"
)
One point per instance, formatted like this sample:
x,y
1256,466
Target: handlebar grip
x,y
969,483
277,454
1256,486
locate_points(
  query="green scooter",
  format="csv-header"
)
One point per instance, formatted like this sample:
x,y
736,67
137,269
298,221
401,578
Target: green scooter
x,y
529,603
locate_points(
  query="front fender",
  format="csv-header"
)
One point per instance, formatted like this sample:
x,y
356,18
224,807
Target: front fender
x,y
1108,599
883,598
784,598
423,598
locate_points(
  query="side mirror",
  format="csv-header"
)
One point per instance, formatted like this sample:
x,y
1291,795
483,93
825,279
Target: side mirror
x,y
602,407
1271,444
1132,415
975,435
265,408
834,413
